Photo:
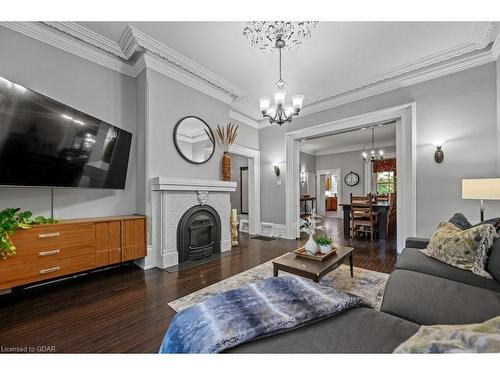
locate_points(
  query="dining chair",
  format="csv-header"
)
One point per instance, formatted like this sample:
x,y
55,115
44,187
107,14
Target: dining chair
x,y
363,217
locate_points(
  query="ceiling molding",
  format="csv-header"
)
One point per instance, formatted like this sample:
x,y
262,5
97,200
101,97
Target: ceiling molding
x,y
133,40
67,43
85,43
243,119
359,147
155,63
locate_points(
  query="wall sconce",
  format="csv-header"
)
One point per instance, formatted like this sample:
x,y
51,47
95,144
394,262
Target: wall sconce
x,y
303,177
438,154
276,169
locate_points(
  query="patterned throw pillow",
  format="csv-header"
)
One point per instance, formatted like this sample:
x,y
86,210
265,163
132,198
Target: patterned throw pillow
x,y
466,249
467,338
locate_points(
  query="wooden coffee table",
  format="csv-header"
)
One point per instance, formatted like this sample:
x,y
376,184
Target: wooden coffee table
x,y
310,268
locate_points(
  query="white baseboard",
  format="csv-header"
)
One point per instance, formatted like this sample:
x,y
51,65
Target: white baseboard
x,y
273,230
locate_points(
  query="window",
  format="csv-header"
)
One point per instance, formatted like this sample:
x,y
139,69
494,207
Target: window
x,y
386,183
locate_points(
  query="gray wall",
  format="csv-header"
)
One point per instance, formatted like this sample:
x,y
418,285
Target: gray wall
x,y
88,87
308,165
237,162
460,108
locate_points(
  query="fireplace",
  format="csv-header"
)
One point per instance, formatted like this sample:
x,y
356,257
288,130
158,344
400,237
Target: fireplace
x,y
198,233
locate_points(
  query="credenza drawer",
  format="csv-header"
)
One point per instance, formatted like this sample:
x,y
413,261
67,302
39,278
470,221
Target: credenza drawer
x,y
43,269
56,241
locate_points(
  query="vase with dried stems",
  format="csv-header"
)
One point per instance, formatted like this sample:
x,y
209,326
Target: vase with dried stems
x,y
226,136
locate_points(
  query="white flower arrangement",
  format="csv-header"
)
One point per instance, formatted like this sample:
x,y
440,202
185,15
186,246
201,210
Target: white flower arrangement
x,y
308,225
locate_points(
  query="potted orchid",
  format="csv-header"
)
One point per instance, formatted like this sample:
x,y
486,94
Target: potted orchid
x,y
308,225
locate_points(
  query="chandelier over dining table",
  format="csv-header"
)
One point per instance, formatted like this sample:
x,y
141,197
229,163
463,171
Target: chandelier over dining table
x,y
273,36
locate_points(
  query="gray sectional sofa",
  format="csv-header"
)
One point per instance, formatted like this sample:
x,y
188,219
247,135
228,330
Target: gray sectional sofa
x,y
421,291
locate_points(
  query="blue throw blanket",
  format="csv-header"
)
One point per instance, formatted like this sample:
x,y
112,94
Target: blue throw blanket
x,y
240,315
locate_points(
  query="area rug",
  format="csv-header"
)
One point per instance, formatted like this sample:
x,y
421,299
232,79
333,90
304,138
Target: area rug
x,y
367,284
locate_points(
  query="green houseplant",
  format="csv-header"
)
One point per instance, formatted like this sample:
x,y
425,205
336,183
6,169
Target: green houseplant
x,y
12,219
325,243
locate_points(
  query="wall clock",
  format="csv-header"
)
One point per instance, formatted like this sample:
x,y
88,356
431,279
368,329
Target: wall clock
x,y
351,179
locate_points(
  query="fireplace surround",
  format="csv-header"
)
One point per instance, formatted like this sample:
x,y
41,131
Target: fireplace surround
x,y
195,201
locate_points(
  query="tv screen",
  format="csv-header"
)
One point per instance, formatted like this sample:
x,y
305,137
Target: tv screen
x,y
46,143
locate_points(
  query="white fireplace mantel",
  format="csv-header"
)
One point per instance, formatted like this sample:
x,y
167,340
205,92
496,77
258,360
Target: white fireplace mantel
x,y
171,197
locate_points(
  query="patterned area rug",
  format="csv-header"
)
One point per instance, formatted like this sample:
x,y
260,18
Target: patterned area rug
x,y
367,284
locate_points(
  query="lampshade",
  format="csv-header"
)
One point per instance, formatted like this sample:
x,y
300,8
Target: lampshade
x,y
481,188
264,104
279,97
297,101
288,110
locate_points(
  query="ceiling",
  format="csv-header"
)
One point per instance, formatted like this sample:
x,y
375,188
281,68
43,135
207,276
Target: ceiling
x,y
337,56
357,140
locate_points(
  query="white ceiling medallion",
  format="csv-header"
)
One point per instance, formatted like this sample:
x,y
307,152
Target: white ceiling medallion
x,y
262,34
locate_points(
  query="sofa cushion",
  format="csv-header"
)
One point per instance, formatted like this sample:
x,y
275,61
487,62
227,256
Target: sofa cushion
x,y
466,249
417,242
426,299
414,260
460,221
493,263
359,330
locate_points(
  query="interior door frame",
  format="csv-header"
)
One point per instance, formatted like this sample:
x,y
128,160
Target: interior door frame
x,y
254,224
337,171
405,117
241,188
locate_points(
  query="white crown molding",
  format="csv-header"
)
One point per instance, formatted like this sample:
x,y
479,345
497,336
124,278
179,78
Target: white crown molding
x,y
352,148
134,40
67,43
78,40
243,119
155,63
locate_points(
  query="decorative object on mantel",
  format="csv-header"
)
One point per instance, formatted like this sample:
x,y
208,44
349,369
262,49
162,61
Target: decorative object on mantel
x,y
226,137
234,227
279,35
308,225
12,219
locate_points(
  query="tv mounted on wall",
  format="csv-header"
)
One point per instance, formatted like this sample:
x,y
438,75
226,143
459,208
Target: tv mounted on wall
x,y
46,143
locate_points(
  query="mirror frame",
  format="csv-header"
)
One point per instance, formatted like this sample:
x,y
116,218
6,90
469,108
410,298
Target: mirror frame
x,y
179,149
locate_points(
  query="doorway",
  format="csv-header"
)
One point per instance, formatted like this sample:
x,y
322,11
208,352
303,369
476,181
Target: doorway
x,y
329,191
404,116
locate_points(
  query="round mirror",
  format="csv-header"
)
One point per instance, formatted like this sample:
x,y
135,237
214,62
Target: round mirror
x,y
194,139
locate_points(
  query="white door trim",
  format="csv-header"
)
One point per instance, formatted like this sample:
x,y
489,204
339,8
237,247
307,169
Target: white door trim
x,y
337,171
253,184
405,116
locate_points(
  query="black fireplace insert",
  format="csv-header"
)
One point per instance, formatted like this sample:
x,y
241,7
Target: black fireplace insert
x,y
198,234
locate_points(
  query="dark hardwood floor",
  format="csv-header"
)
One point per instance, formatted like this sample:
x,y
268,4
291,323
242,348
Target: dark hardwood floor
x,y
124,311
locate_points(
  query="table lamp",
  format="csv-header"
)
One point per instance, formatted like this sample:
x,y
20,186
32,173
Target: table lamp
x,y
482,189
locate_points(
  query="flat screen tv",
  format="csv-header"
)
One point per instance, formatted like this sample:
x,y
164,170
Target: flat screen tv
x,y
46,143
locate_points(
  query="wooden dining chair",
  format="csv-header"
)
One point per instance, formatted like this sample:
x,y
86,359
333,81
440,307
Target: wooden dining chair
x,y
363,217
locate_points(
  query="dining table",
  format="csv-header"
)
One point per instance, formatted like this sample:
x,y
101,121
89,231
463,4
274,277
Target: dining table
x,y
380,207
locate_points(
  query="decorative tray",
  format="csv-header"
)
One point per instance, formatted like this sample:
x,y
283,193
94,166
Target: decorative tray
x,y
318,256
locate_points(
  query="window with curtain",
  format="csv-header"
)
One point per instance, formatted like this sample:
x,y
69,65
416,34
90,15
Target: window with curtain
x,y
385,176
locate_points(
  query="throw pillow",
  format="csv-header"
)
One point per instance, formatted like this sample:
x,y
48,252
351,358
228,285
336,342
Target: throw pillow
x,y
460,221
466,249
466,338
495,222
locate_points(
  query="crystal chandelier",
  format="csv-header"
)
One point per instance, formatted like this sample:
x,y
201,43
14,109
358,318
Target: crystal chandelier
x,y
279,35
374,155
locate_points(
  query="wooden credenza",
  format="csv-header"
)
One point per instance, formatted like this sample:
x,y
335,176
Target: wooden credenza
x,y
53,250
